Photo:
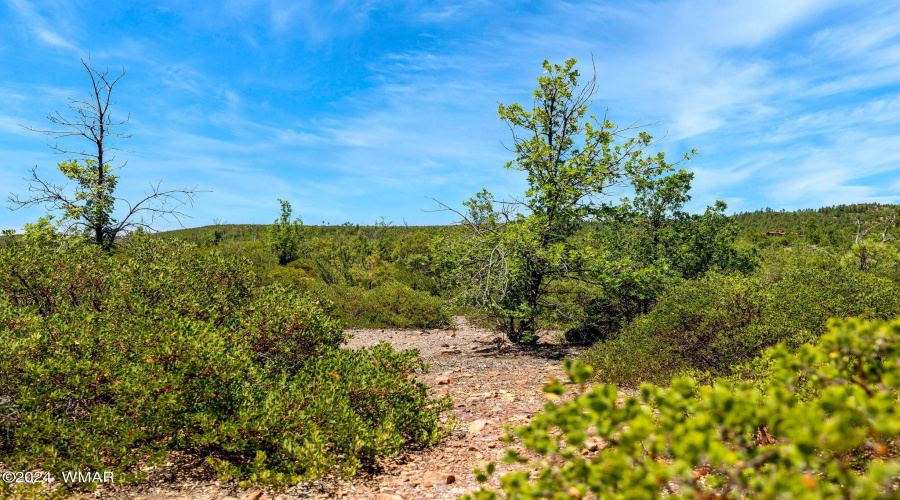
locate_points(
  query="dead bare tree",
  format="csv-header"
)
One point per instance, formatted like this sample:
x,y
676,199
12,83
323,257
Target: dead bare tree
x,y
861,234
890,224
92,206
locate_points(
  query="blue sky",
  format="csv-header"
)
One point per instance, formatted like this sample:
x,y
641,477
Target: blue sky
x,y
354,110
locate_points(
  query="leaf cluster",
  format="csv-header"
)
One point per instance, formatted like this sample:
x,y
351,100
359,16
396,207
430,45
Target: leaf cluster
x,y
826,425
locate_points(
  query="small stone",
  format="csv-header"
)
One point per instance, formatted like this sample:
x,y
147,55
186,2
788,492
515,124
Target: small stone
x,y
477,426
254,496
387,496
443,380
594,444
438,478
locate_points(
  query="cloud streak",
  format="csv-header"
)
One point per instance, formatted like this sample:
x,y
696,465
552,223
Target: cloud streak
x,y
48,32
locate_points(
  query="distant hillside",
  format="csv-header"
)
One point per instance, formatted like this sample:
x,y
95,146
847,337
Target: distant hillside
x,y
833,226
254,232
828,226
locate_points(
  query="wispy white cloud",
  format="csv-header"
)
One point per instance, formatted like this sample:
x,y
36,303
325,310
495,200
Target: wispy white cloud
x,y
50,33
849,41
716,24
875,113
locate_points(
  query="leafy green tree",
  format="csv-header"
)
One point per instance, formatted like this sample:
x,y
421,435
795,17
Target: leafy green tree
x,y
653,229
515,250
284,235
91,209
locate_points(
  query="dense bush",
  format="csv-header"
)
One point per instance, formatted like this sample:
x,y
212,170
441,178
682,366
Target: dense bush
x,y
711,324
827,425
392,305
366,280
592,313
113,361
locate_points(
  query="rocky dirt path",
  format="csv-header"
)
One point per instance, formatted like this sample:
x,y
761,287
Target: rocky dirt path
x,y
493,384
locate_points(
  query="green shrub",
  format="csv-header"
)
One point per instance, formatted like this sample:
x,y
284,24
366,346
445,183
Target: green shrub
x,y
731,440
113,362
392,305
599,313
710,325
257,252
284,235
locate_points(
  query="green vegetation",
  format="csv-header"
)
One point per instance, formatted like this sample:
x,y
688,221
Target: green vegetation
x,y
833,228
284,235
712,324
116,360
224,342
376,276
517,258
825,424
709,325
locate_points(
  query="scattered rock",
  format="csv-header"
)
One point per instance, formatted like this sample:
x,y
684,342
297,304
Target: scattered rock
x,y
254,496
443,380
387,496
